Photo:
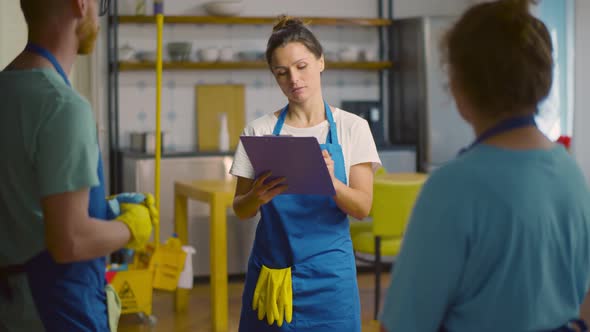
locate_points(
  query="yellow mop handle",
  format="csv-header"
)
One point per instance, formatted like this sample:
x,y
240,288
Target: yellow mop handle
x,y
160,28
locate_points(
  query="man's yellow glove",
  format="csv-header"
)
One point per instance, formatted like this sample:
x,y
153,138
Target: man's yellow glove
x,y
273,295
139,213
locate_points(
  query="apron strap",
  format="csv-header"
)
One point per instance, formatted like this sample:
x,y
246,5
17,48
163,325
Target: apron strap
x,y
41,51
573,326
332,134
5,273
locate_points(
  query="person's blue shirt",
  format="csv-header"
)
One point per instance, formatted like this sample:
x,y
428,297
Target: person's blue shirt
x,y
499,240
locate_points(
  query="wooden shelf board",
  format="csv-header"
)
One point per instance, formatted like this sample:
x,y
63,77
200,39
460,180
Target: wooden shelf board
x,y
140,19
138,66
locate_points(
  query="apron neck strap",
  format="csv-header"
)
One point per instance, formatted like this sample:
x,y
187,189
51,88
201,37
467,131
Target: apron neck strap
x,y
39,50
332,134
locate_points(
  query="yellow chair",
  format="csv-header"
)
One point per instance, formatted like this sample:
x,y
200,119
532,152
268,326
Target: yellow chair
x,y
358,226
394,195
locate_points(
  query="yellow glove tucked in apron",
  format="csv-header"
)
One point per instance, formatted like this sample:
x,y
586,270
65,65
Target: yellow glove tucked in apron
x,y
273,295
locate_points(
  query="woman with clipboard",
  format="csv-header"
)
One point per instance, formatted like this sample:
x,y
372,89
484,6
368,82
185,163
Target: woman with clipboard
x,y
301,272
499,239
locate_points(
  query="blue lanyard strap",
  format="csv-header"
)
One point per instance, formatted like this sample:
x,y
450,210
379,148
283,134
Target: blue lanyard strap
x,y
502,127
34,48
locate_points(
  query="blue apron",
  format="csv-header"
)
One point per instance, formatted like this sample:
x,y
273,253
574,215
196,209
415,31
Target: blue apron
x,y
70,297
500,128
311,235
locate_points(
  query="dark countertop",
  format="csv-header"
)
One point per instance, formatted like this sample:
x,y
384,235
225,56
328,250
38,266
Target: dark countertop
x,y
175,154
188,154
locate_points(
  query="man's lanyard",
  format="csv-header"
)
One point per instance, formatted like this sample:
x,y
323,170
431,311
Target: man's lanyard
x,y
34,48
502,127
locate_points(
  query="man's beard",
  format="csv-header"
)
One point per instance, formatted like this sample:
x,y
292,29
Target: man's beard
x,y
87,32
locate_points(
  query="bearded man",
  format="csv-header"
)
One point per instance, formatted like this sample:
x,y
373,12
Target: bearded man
x,y
53,234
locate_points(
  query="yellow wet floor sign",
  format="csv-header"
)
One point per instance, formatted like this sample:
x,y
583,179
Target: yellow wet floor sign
x,y
128,300
134,288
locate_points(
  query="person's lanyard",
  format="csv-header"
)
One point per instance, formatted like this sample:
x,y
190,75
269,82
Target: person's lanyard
x,y
502,127
34,48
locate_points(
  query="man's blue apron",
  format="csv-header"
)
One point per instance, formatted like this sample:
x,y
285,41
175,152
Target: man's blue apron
x,y
311,235
70,297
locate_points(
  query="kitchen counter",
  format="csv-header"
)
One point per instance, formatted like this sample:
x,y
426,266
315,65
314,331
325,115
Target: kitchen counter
x,y
188,154
138,176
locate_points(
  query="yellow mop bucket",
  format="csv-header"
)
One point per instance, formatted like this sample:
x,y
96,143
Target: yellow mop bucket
x,y
167,264
134,288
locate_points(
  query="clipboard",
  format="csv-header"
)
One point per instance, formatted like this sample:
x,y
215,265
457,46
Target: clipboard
x,y
298,159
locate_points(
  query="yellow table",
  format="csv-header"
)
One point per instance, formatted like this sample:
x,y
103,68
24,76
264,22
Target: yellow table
x,y
401,177
219,195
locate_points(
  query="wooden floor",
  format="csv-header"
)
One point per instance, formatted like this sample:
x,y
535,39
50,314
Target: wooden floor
x,y
197,318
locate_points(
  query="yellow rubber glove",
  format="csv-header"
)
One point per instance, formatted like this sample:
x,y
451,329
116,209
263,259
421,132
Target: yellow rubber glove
x,y
285,302
138,211
260,295
273,295
137,217
150,203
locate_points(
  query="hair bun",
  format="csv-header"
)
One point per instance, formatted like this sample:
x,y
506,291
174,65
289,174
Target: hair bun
x,y
285,22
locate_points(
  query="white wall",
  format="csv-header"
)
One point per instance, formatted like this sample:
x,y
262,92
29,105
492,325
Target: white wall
x,y
352,8
13,37
581,136
410,8
13,31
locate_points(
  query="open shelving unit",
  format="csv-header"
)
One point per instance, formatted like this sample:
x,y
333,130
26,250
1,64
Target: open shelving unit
x,y
236,65
382,23
242,20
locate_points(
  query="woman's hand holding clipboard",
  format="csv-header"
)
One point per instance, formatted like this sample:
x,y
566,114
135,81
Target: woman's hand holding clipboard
x,y
306,169
265,190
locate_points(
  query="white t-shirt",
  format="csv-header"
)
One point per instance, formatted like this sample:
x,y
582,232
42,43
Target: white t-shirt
x,y
354,136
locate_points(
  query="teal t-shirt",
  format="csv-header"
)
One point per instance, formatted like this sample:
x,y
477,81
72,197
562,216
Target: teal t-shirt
x,y
499,240
48,145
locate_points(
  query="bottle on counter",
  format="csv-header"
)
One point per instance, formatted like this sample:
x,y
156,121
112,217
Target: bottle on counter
x,y
223,132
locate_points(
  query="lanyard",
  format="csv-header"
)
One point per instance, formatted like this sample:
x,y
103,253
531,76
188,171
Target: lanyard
x,y
34,48
502,127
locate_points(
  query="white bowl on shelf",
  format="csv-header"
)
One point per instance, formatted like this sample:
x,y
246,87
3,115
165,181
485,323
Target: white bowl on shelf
x,y
126,53
146,56
226,54
224,8
348,54
210,54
